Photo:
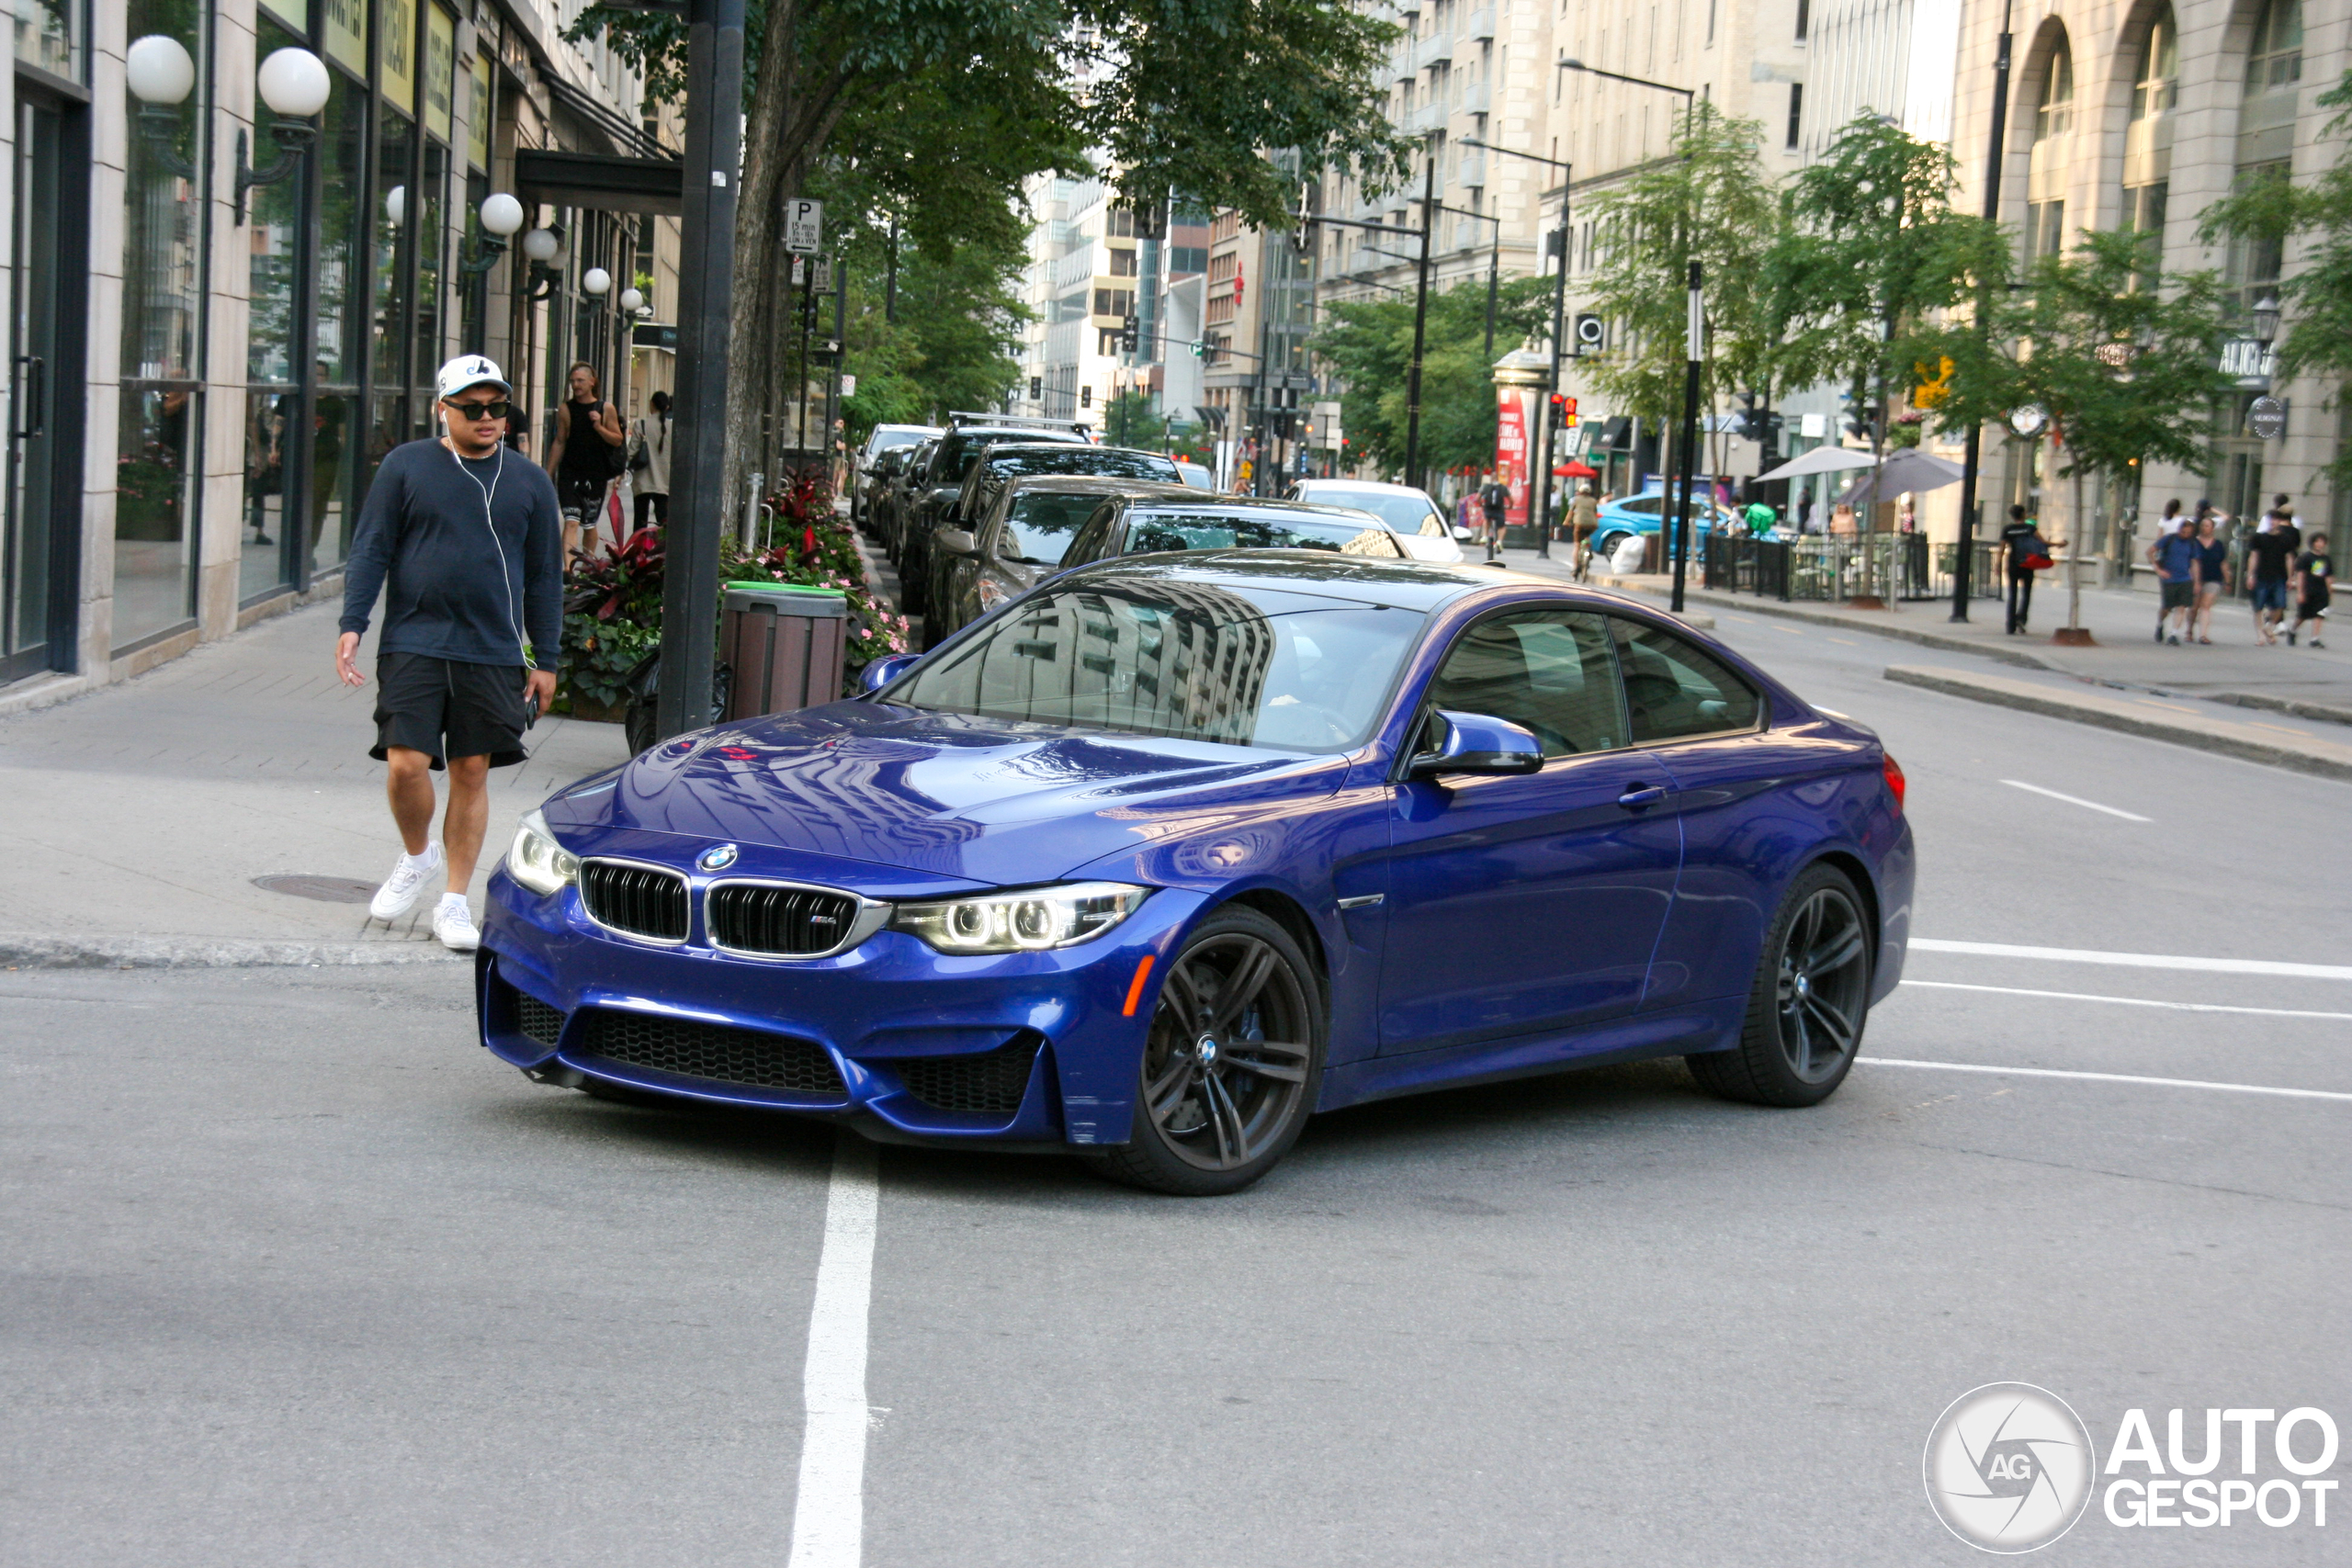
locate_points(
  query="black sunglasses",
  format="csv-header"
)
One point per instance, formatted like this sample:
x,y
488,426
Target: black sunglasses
x,y
480,411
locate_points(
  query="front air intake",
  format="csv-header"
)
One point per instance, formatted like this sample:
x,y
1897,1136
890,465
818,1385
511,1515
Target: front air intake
x,y
692,1049
778,922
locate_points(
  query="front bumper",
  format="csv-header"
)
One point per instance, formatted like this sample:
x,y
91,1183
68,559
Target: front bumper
x,y
892,1035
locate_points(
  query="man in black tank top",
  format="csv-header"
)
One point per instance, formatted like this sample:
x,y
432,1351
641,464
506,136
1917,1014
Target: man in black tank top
x,y
587,431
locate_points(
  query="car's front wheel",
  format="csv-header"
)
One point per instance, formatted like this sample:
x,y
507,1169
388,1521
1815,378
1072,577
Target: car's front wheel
x,y
1810,1001
1231,1064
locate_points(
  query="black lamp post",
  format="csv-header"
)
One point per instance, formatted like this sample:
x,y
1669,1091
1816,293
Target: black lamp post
x,y
1964,556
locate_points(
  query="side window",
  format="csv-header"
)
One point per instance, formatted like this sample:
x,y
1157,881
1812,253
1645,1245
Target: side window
x,y
1087,545
1548,670
1675,689
1643,505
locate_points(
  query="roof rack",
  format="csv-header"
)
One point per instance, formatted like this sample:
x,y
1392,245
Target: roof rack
x,y
1015,421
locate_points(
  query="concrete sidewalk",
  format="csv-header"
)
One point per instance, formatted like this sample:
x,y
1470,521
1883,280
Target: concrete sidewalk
x,y
145,810
2312,683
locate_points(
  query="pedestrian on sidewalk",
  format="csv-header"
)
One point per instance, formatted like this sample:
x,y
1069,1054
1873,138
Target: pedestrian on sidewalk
x,y
650,442
2312,590
581,456
2212,574
1494,496
2174,555
2028,552
466,542
2269,560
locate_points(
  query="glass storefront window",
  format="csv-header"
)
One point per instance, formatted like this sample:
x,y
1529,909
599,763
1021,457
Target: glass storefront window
x,y
273,398
339,335
394,270
49,35
157,471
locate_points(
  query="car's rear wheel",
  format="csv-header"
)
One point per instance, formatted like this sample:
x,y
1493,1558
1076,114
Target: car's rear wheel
x,y
1231,1065
1607,545
1810,1001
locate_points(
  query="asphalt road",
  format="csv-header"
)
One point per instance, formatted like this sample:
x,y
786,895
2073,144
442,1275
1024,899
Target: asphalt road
x,y
294,1274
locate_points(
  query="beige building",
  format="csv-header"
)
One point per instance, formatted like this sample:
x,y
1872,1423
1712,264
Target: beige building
x,y
209,367
2142,113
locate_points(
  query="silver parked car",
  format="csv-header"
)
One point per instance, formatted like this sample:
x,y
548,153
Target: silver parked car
x,y
1416,520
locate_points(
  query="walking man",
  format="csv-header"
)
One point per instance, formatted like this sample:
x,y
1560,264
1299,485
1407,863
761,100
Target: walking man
x,y
2028,553
2269,560
465,540
580,459
2174,555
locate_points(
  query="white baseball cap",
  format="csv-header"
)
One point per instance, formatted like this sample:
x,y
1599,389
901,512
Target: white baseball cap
x,y
470,370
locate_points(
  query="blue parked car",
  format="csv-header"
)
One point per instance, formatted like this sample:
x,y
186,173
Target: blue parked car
x,y
1171,851
1646,514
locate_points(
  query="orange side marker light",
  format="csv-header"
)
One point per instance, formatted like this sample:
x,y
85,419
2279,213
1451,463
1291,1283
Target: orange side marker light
x,y
1135,989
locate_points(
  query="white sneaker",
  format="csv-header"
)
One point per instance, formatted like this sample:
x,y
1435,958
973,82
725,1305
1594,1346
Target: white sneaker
x,y
453,922
397,896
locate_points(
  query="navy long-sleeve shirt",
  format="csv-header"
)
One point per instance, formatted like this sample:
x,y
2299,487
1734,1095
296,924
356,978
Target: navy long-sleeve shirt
x,y
469,555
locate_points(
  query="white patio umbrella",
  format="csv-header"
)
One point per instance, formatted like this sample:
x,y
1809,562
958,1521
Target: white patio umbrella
x,y
1820,460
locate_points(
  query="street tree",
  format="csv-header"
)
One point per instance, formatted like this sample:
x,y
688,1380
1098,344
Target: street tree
x,y
1710,203
1868,250
2126,375
949,105
1368,344
2271,210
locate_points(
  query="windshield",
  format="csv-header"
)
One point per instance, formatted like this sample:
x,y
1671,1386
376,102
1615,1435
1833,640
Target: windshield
x,y
1039,527
1405,513
1196,662
886,439
1150,531
1075,459
957,453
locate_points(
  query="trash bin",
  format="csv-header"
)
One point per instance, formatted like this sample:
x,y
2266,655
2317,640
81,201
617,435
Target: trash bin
x,y
786,644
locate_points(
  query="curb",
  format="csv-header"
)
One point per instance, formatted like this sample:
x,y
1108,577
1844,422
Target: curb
x,y
26,952
1938,640
2324,759
2294,707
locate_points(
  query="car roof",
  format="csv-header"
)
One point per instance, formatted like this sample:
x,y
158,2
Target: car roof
x,y
905,430
1374,485
1105,485
1243,504
991,434
1371,579
996,447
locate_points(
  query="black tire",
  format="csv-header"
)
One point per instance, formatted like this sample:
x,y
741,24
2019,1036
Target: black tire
x,y
1605,546
1231,1065
1810,1002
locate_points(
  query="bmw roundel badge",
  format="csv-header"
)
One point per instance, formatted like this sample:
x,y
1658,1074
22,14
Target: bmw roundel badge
x,y
719,857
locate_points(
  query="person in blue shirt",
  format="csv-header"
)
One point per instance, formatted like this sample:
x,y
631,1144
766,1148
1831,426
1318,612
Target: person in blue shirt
x,y
2175,555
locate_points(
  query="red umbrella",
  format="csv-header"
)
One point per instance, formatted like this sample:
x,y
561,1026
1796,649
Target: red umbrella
x,y
1572,469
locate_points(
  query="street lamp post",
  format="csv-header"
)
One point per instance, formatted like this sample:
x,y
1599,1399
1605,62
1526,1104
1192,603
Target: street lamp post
x,y
1689,459
1964,554
1420,322
706,270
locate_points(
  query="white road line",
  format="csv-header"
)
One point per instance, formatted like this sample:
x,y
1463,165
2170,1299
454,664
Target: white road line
x,y
2138,960
2077,800
2127,1001
2104,1078
829,1518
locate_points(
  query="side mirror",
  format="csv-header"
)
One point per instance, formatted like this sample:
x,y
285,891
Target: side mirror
x,y
1478,743
955,542
1463,535
880,672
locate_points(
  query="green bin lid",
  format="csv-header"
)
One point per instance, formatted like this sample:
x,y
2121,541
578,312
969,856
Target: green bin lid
x,y
784,588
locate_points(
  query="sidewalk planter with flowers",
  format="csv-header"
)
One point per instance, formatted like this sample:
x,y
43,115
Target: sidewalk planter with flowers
x,y
612,606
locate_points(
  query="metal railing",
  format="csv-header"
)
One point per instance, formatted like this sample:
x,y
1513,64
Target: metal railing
x,y
1825,570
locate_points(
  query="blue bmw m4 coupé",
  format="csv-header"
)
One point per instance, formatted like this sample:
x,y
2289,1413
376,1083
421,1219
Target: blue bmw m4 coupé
x,y
1173,852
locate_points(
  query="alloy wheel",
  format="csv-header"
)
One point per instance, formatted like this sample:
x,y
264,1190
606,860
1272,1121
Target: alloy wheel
x,y
1226,1061
1823,991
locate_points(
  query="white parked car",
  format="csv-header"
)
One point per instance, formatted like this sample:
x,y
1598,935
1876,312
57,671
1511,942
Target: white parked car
x,y
1417,521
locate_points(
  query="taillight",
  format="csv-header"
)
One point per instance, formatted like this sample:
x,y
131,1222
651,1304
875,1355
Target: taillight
x,y
1894,771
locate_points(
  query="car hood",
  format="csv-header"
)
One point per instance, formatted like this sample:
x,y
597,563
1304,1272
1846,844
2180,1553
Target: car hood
x,y
950,796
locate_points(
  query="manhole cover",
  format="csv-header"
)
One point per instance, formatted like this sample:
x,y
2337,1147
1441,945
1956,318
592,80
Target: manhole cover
x,y
325,889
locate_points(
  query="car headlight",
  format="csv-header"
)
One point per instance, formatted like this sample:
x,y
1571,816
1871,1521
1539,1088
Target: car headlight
x,y
537,861
1027,920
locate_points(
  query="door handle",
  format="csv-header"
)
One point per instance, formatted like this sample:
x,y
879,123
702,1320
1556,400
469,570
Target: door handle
x,y
1639,795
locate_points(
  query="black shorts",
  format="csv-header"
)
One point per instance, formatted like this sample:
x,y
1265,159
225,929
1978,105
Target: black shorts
x,y
2179,595
422,702
581,498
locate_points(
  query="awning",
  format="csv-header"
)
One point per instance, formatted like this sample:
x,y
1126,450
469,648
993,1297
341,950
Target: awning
x,y
601,182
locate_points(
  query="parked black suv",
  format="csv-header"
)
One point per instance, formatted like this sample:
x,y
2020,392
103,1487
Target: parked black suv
x,y
1003,461
932,494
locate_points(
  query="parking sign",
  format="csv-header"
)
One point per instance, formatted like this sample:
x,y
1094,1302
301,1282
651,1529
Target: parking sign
x,y
804,226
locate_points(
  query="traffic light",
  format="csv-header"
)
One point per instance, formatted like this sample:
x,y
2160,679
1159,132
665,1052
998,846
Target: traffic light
x,y
1200,348
1129,334
1564,412
1086,396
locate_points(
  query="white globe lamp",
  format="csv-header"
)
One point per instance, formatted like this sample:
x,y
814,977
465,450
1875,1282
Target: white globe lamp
x,y
293,83
632,301
540,246
595,280
501,215
159,71
396,205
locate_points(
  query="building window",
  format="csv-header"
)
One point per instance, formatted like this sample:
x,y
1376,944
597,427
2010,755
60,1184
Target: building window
x,y
2267,136
2147,139
1796,112
2054,122
1122,264
1805,18
2276,57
